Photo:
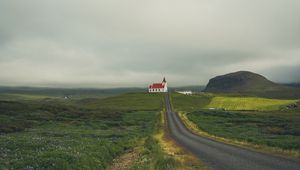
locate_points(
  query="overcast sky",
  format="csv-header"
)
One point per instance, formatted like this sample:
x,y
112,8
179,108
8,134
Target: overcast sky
x,y
118,43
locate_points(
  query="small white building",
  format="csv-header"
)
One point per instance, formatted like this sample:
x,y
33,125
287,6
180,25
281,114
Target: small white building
x,y
186,92
159,87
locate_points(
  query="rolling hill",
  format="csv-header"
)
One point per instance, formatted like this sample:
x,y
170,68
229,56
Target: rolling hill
x,y
48,91
253,84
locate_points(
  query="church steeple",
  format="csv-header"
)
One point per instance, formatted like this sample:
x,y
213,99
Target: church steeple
x,y
164,80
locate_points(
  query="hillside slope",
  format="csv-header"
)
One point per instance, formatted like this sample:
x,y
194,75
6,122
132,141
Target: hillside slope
x,y
248,83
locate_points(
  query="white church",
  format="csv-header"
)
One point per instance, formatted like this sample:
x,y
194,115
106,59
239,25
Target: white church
x,y
159,87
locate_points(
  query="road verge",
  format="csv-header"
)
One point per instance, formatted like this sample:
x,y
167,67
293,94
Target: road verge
x,y
258,148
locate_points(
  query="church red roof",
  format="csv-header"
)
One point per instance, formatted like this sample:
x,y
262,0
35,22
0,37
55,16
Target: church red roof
x,y
157,86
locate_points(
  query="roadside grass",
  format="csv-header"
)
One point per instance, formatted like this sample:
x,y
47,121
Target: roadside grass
x,y
152,155
161,152
247,103
73,134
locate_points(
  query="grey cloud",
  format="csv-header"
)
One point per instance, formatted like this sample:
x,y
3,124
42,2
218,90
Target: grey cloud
x,y
284,74
100,43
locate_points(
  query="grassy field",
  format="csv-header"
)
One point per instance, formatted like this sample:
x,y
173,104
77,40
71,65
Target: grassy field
x,y
257,121
247,103
188,103
127,102
86,133
275,129
89,132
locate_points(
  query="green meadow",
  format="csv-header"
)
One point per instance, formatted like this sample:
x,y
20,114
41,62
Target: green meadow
x,y
260,121
44,132
274,129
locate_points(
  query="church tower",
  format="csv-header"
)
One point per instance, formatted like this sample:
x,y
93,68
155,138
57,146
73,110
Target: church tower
x,y
165,84
164,80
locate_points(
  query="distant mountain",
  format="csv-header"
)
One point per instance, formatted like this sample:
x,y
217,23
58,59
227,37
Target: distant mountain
x,y
248,83
292,84
192,88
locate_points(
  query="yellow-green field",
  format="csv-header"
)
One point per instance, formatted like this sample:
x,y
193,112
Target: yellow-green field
x,y
247,103
190,103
